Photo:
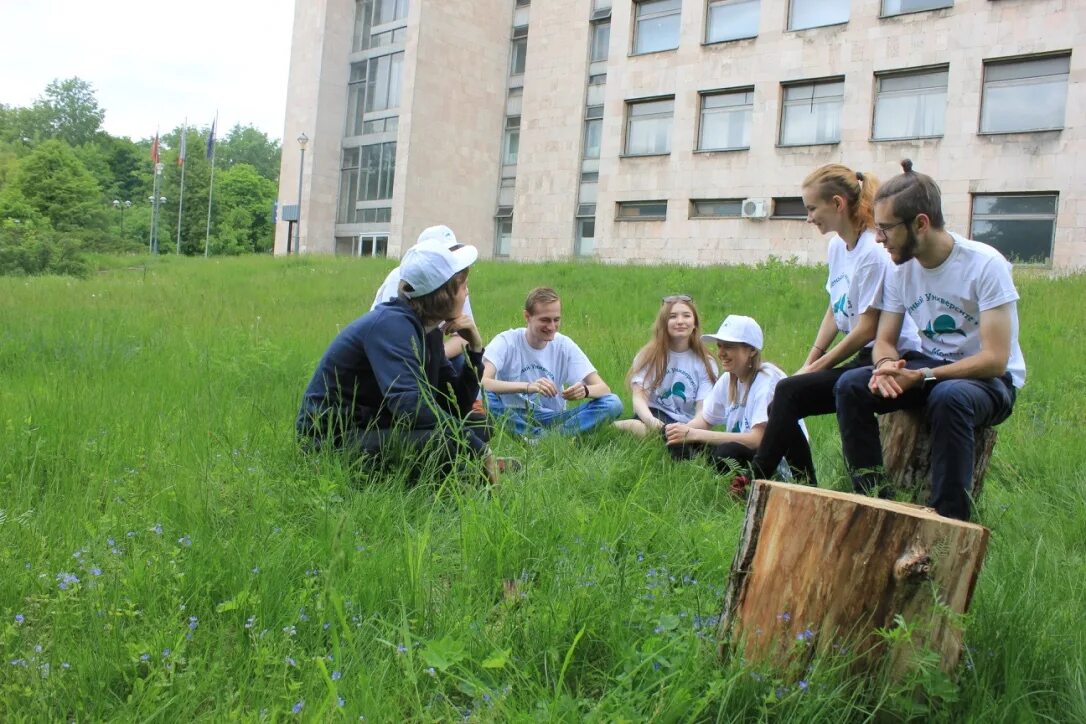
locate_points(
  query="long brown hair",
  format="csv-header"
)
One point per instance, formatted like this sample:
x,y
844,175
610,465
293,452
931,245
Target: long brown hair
x,y
654,354
855,187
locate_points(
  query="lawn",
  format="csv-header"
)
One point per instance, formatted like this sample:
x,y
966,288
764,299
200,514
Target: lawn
x,y
168,554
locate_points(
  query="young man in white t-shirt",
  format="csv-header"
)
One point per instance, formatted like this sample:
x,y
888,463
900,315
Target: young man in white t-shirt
x,y
530,373
961,295
390,287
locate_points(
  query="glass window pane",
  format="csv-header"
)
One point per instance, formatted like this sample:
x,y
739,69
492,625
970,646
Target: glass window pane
x,y
815,119
634,210
790,207
1024,105
594,96
587,194
986,205
722,208
814,13
395,68
601,39
1059,65
520,56
649,108
593,134
586,237
896,7
732,19
1028,241
910,106
512,146
912,81
657,26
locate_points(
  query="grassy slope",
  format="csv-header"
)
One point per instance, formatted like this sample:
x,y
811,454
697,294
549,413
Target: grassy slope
x,y
162,398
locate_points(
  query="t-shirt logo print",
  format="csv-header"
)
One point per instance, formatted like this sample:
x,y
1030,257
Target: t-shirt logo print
x,y
943,324
677,390
839,305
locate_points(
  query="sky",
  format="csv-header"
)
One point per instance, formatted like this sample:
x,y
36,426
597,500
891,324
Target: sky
x,y
152,64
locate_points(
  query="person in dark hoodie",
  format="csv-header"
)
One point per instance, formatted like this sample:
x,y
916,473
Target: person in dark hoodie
x,y
384,385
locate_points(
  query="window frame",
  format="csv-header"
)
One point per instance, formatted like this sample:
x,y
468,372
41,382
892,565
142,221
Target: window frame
x,y
814,82
623,205
883,14
984,84
594,28
776,200
1054,195
630,105
792,29
702,95
696,214
706,40
636,25
899,73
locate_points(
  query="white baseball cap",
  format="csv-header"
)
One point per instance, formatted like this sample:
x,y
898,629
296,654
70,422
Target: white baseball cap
x,y
429,264
737,328
438,233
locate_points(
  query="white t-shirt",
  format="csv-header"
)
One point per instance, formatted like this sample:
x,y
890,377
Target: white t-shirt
x,y
946,302
514,360
855,284
685,384
390,289
750,409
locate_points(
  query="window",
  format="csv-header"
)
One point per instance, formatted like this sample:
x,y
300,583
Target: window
x,y
725,119
601,39
593,134
789,207
376,215
348,186
648,127
641,211
520,56
900,7
716,208
382,84
506,189
587,192
586,236
511,145
1020,226
656,26
377,12
378,171
503,231
1024,95
816,13
812,113
910,105
732,20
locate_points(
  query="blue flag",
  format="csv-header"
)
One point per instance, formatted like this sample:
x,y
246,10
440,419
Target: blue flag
x,y
211,140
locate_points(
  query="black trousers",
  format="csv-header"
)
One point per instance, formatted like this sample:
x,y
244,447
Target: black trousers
x,y
795,398
725,457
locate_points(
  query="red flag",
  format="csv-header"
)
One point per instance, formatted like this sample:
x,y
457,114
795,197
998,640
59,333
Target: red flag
x,y
154,149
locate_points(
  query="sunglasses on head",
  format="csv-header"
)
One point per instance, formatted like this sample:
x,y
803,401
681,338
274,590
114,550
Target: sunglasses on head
x,y
676,298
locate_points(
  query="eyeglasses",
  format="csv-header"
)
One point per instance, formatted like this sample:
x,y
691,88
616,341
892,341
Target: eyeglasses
x,y
676,298
883,230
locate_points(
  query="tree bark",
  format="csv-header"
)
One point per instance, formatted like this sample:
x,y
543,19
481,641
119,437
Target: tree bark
x,y
819,571
906,453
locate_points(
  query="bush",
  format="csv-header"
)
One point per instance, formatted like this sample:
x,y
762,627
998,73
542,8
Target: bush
x,y
27,250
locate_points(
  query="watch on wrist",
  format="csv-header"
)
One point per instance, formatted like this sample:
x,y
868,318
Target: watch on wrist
x,y
929,376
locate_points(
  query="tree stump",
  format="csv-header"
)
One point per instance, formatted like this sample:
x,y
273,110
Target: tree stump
x,y
906,453
819,571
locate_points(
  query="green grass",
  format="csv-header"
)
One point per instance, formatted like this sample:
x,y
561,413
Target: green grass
x,y
146,424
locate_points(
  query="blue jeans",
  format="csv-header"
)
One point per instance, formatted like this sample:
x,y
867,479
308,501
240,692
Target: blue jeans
x,y
590,415
954,408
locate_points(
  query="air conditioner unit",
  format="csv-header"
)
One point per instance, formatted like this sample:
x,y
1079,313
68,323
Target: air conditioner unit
x,y
755,208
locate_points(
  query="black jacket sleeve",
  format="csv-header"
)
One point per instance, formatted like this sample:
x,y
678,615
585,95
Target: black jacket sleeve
x,y
397,355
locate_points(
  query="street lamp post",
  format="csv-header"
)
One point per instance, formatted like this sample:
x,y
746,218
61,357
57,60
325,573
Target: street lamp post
x,y
122,206
302,140
156,201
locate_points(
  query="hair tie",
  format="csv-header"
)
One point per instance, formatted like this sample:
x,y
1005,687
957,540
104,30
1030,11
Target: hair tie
x,y
860,176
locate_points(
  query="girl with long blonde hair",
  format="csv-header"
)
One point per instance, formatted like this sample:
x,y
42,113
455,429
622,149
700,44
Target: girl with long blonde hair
x,y
673,373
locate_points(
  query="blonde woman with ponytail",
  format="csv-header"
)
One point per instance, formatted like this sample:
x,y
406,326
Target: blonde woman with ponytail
x,y
839,202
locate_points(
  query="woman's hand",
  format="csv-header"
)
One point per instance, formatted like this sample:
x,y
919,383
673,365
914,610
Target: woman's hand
x,y
678,433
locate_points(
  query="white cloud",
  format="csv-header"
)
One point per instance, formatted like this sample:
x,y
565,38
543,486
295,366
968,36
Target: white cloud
x,y
154,63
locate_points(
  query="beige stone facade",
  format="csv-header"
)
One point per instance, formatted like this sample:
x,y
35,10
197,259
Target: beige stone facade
x,y
452,111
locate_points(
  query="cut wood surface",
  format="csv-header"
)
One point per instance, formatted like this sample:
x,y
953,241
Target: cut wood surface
x,y
819,571
906,453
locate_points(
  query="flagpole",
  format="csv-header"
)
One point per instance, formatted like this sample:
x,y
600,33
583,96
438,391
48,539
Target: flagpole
x,y
211,185
181,196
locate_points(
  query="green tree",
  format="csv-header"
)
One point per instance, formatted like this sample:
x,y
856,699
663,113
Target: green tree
x,y
245,201
55,183
71,111
245,144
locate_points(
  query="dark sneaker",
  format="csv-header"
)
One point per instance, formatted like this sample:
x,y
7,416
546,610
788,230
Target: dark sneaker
x,y
739,486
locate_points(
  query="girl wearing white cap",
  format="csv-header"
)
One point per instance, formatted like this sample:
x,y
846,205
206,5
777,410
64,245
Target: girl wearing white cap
x,y
839,202
384,384
673,373
739,402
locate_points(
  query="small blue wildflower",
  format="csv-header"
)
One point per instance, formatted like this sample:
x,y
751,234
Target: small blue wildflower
x,y
656,666
401,649
326,626
18,662
156,529
95,571
77,554
64,580
37,648
185,540
193,622
166,653
340,701
337,675
44,669
115,551
756,676
803,685
19,618
65,665
780,692
110,542
303,616
431,671
250,622
297,708
785,616
132,533
256,569
290,630
640,557
145,657
290,661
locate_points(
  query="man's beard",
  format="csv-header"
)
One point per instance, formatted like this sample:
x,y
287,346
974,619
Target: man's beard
x,y
908,251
